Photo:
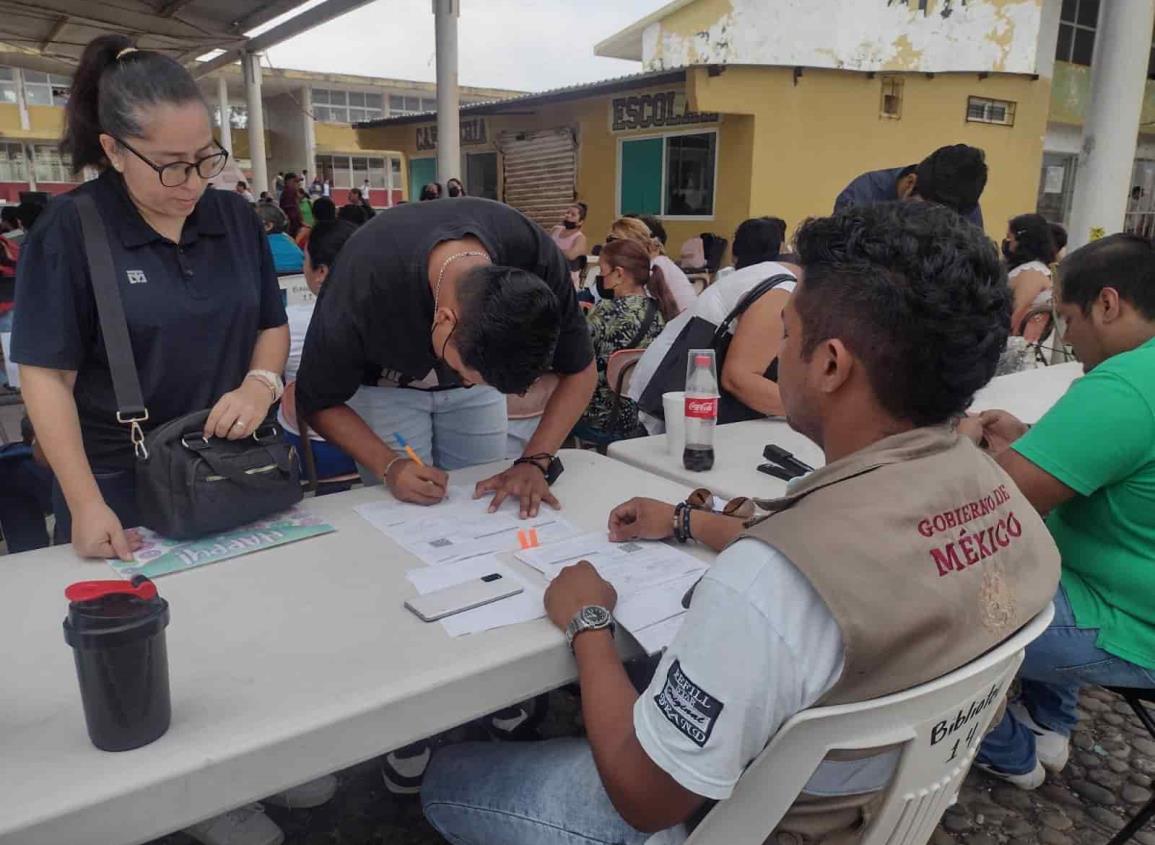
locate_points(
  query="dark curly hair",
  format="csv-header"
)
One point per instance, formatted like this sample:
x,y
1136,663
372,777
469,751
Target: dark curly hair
x,y
508,327
916,293
1034,238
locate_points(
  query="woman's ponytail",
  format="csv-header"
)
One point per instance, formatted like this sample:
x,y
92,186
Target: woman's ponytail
x,y
113,83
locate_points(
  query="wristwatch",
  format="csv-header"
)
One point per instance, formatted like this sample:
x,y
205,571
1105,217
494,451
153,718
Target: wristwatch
x,y
553,466
590,618
271,380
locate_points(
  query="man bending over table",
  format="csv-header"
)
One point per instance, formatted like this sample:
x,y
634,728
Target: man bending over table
x,y
430,299
1089,463
859,584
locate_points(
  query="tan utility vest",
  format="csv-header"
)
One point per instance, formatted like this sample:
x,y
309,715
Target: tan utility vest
x,y
927,555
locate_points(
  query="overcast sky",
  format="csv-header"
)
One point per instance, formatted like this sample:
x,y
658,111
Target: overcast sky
x,y
529,45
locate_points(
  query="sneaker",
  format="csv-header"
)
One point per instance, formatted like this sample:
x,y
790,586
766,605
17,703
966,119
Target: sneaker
x,y
1031,780
404,769
246,825
307,795
520,722
1052,749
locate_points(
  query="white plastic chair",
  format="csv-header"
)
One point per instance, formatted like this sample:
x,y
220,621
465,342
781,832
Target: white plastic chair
x,y
932,764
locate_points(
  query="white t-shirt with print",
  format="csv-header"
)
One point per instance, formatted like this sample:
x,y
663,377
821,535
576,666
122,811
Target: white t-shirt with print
x,y
758,645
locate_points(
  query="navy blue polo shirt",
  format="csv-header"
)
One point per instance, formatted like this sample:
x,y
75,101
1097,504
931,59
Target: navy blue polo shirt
x,y
882,186
194,308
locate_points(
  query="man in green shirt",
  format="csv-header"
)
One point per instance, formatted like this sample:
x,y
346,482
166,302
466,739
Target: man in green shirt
x,y
1090,464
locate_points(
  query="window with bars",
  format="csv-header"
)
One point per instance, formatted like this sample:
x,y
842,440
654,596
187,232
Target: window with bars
x,y
351,171
984,110
891,104
399,105
331,106
45,89
238,116
13,165
8,85
671,176
50,165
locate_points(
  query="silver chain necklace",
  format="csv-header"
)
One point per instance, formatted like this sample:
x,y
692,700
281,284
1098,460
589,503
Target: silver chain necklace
x,y
441,276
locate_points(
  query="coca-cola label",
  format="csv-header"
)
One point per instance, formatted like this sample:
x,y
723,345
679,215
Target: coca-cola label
x,y
700,408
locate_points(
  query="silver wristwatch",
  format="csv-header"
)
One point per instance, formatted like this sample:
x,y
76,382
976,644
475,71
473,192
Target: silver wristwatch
x,y
589,618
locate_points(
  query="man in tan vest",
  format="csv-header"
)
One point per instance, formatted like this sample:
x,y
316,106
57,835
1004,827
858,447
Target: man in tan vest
x,y
907,556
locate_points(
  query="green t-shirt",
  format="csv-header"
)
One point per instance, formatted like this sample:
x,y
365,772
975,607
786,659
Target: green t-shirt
x,y
1099,440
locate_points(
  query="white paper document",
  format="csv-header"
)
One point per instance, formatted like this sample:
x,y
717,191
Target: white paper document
x,y
461,527
523,607
630,567
651,580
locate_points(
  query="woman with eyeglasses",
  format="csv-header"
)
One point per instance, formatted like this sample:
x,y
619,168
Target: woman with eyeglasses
x,y
205,315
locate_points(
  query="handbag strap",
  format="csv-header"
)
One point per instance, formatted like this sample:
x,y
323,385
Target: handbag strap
x,y
751,296
130,408
651,315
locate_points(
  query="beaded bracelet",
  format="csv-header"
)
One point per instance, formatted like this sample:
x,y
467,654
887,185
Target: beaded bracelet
x,y
679,530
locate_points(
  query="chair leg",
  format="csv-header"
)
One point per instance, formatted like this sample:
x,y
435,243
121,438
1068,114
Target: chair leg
x,y
1145,815
1141,818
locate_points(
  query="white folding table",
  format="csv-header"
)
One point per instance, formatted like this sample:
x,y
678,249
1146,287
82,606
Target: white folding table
x,y
737,456
285,665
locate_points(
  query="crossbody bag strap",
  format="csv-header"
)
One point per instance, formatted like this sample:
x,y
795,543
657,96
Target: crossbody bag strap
x,y
130,409
751,296
651,315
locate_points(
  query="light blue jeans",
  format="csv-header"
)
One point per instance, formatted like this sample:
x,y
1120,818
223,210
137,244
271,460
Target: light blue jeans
x,y
522,793
1056,665
449,429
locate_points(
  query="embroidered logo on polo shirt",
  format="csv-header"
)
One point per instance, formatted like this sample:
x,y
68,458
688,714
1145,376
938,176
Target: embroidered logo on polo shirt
x,y
136,277
689,708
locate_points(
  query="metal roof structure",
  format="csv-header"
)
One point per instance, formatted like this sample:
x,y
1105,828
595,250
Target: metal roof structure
x,y
556,95
50,35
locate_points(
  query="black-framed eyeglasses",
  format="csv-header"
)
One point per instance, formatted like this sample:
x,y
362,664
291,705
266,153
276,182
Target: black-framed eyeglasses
x,y
176,173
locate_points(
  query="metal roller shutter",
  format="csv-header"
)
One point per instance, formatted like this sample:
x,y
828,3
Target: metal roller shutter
x,y
540,172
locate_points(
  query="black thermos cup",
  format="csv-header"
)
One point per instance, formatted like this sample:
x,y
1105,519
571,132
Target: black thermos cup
x,y
116,630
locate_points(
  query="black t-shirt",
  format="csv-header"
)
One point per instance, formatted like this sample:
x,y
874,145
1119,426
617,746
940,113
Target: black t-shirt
x,y
374,315
194,309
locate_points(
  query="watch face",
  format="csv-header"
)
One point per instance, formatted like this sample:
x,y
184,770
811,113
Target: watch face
x,y
597,616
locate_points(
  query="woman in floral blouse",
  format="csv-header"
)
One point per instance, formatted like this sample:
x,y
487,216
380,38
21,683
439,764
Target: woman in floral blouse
x,y
630,317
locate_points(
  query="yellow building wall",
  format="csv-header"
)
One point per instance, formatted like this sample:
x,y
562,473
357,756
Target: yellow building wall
x,y
9,119
787,149
813,137
597,165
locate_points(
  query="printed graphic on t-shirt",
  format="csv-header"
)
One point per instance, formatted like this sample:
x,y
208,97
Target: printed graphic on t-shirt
x,y
690,709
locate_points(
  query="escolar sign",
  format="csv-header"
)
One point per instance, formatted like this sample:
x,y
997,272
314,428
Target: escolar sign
x,y
653,111
473,132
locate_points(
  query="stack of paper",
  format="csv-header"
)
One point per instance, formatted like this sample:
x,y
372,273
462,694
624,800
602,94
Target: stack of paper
x,y
460,527
651,580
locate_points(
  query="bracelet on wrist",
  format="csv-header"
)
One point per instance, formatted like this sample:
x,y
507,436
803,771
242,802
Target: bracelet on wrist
x,y
389,466
681,512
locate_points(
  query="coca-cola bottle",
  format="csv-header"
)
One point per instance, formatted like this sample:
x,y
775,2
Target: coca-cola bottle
x,y
701,410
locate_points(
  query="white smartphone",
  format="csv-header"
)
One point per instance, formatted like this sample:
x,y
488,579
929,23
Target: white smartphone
x,y
462,597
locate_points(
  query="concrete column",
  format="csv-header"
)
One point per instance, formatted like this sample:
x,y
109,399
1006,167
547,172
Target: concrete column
x,y
251,64
223,105
1111,131
445,14
21,100
306,101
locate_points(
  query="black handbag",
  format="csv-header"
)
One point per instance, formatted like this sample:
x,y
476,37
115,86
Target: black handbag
x,y
699,333
187,485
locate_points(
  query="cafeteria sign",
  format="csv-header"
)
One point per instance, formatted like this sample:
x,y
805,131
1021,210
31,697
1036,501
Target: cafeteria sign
x,y
652,111
473,133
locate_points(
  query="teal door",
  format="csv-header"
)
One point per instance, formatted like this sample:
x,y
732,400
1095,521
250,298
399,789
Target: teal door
x,y
421,172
